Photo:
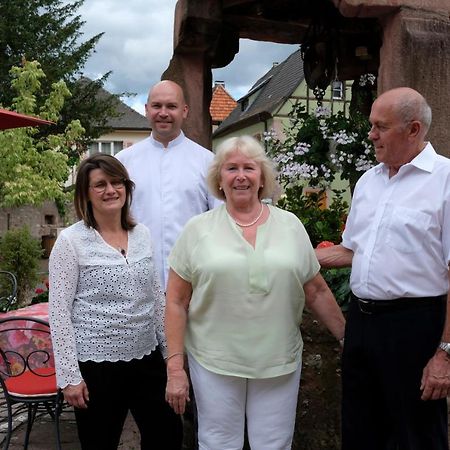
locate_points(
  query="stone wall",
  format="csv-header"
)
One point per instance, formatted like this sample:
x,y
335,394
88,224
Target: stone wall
x,y
44,222
416,53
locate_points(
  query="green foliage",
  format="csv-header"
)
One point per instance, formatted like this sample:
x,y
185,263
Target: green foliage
x,y
338,281
92,106
8,292
20,254
40,297
35,167
317,146
322,224
41,292
50,31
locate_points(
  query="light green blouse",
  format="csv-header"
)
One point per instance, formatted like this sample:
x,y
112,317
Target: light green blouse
x,y
247,303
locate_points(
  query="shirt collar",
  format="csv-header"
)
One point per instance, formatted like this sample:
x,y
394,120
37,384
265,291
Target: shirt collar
x,y
423,161
177,141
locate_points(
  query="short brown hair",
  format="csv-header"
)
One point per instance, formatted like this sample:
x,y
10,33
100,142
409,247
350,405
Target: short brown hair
x,y
113,168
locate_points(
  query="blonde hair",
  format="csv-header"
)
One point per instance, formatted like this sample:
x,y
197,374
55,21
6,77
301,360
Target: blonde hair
x,y
252,149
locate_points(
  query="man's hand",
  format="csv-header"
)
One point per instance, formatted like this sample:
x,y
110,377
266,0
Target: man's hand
x,y
435,382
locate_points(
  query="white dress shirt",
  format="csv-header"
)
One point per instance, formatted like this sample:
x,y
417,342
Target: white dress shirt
x,y
170,189
399,230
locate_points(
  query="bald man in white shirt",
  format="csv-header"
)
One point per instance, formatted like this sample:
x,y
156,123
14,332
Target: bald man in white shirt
x,y
396,357
169,172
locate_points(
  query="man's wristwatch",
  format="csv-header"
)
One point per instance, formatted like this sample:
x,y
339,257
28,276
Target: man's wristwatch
x,y
445,346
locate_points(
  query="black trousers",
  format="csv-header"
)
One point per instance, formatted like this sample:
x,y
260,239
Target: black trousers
x,y
382,363
115,388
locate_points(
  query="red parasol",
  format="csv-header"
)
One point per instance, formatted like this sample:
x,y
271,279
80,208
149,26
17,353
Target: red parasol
x,y
11,119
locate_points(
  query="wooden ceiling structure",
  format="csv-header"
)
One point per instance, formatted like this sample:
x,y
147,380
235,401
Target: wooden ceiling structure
x,y
398,40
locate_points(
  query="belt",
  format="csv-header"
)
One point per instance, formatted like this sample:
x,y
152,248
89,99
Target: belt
x,y
397,304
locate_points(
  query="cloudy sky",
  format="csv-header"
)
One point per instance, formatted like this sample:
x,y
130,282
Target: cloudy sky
x,y
138,43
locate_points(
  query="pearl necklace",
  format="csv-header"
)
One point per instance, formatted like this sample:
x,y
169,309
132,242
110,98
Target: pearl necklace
x,y
245,225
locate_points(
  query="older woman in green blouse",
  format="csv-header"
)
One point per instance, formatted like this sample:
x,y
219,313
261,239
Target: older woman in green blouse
x,y
240,276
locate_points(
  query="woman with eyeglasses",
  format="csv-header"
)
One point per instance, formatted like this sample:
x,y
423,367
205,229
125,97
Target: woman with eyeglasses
x,y
107,315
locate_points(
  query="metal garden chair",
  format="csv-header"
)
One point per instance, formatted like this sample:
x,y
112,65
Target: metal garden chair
x,y
27,373
8,290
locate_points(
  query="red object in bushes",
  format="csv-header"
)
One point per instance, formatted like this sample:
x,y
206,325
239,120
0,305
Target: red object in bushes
x,y
325,244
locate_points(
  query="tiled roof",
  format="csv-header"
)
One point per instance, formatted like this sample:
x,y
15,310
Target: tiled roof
x,y
127,119
222,104
269,93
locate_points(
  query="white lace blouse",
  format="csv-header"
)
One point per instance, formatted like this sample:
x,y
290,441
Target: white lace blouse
x,y
103,306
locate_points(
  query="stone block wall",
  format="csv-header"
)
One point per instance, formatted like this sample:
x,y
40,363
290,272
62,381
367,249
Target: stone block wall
x,y
43,222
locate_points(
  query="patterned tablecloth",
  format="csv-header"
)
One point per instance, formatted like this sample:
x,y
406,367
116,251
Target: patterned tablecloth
x,y
37,340
38,311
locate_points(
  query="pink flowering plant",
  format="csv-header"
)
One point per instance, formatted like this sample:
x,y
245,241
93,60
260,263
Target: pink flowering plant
x,y
318,146
41,294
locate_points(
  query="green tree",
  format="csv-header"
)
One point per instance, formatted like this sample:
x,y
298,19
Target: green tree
x,y
20,254
49,31
35,166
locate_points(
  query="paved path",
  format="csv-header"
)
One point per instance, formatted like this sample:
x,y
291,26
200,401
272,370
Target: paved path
x,y
43,433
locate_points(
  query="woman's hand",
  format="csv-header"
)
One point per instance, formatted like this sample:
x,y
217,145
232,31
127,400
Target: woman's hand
x,y
76,395
177,389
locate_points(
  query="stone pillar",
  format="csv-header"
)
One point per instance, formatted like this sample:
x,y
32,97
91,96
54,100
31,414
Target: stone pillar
x,y
416,53
193,73
201,41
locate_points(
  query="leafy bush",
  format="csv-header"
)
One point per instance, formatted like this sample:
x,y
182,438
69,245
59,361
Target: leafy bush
x,y
315,147
322,224
338,281
20,254
41,294
313,150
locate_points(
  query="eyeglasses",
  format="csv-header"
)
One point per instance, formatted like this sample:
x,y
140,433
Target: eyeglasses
x,y
101,186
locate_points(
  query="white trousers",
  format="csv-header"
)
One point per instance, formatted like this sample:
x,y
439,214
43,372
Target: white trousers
x,y
224,402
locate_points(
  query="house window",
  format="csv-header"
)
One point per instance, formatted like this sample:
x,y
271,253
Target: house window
x,y
117,146
108,147
94,148
337,90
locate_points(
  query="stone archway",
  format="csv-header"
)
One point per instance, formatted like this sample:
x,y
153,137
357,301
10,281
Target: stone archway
x,y
407,42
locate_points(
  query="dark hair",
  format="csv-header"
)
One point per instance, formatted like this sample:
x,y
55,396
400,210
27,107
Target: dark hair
x,y
113,168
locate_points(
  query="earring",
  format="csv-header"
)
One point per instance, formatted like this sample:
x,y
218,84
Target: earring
x,y
262,186
220,188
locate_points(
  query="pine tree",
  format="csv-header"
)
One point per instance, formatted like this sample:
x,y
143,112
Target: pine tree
x,y
49,31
